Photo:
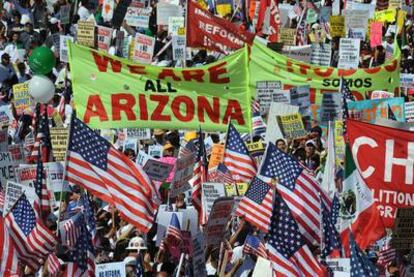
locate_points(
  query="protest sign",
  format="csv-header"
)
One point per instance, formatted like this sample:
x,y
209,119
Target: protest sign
x,y
107,10
155,151
6,167
28,144
370,110
218,219
63,49
54,179
281,96
389,176
217,153
157,171
264,92
138,17
348,53
174,24
130,143
101,104
183,173
292,73
255,148
379,94
144,48
22,99
142,158
301,53
337,24
212,32
321,54
409,111
288,36
165,11
331,107
6,116
4,140
12,193
291,126
178,45
385,15
59,138
64,14
187,217
104,38
262,268
339,265
199,262
108,134
110,270
17,153
273,131
299,96
339,142
209,193
138,133
86,33
407,80
119,13
358,33
375,34
356,19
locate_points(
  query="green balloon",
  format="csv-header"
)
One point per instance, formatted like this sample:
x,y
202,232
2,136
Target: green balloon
x,y
42,60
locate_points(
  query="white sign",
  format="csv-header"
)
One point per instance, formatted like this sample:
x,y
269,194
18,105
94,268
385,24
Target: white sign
x,y
107,10
264,92
175,23
340,265
407,80
157,170
356,19
273,131
155,151
104,37
138,17
321,54
144,48
348,53
178,45
165,11
209,193
6,167
409,111
218,220
380,94
110,270
183,173
300,53
13,191
358,33
64,49
138,133
142,158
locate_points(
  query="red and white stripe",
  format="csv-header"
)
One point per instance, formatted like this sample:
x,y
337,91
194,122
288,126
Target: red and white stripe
x,y
70,233
261,251
305,205
302,263
123,184
198,179
241,166
174,232
386,255
9,262
53,265
257,214
72,269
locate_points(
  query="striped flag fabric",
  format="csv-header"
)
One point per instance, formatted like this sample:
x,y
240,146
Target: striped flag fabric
x,y
1,200
9,262
174,229
33,241
86,208
93,163
298,188
360,264
346,97
70,230
256,204
200,171
139,270
288,252
53,265
331,241
220,174
386,254
253,245
42,192
42,145
237,158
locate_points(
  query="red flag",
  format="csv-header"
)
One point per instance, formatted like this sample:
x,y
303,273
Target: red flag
x,y
272,6
212,32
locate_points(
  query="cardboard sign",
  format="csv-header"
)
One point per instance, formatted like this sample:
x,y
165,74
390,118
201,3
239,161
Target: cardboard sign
x,y
144,48
217,153
183,173
22,99
292,126
104,38
86,33
218,219
13,191
209,193
59,138
337,24
110,269
288,36
138,17
64,14
348,53
157,171
178,45
63,49
174,24
155,151
7,165
165,11
331,107
264,92
321,54
139,134
6,116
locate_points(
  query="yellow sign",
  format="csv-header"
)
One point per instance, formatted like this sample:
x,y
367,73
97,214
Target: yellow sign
x,y
86,33
223,9
385,15
339,142
217,152
255,146
22,99
59,139
57,119
337,23
291,126
400,20
242,188
288,36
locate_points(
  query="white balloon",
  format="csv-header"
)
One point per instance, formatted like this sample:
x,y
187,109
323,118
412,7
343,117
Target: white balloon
x,y
41,89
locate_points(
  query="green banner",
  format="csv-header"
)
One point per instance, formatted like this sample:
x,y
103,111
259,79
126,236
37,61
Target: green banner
x,y
267,66
110,92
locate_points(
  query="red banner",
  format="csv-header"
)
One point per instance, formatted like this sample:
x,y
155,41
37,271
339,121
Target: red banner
x,y
385,158
212,32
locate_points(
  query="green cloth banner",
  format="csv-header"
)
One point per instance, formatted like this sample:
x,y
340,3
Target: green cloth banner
x,y
111,92
267,65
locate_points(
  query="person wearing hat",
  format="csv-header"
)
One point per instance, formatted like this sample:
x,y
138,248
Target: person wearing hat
x,y
159,136
138,246
312,158
168,150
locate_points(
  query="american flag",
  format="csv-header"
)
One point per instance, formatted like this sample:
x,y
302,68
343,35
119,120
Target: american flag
x,y
42,146
27,230
53,265
1,200
41,190
346,97
139,270
391,114
298,188
9,262
253,245
256,204
220,174
97,166
331,240
85,205
360,264
237,158
71,229
82,256
335,209
402,270
255,106
387,254
200,171
259,127
174,230
288,252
